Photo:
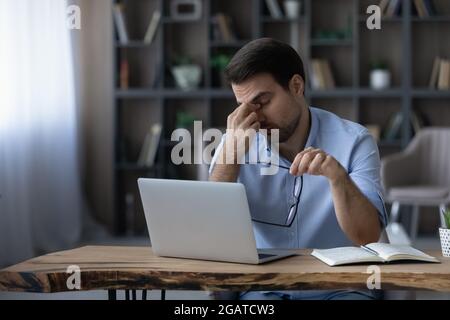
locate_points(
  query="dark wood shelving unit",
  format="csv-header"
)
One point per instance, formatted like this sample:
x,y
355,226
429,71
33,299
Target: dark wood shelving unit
x,y
404,43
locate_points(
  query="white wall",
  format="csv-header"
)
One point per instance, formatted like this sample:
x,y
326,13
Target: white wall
x,y
93,57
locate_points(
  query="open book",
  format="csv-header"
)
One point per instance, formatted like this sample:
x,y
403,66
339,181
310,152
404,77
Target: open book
x,y
373,252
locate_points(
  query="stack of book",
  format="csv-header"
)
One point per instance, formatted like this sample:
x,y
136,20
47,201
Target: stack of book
x,y
121,25
440,74
321,75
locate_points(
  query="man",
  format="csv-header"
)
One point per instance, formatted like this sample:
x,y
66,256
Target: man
x,y
331,195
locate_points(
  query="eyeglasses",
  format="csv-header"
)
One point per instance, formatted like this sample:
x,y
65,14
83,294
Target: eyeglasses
x,y
292,213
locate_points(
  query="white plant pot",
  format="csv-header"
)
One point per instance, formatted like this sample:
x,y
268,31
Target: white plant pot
x,y
445,241
380,79
292,8
187,77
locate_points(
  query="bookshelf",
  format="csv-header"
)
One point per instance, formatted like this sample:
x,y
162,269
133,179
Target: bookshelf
x,y
407,43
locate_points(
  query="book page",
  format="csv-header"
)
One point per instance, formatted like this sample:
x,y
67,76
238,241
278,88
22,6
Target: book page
x,y
395,252
345,255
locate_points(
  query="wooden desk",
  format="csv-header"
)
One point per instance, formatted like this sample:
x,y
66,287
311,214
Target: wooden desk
x,y
130,268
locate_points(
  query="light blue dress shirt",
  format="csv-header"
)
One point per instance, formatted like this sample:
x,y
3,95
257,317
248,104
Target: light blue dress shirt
x,y
315,225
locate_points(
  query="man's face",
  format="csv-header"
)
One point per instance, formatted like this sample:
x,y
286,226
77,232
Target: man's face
x,y
278,108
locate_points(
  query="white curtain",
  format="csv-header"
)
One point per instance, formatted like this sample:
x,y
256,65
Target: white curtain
x,y
40,198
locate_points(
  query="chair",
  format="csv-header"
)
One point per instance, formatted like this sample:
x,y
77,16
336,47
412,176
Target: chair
x,y
417,176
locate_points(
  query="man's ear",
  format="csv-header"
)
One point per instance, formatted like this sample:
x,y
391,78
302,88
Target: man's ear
x,y
297,85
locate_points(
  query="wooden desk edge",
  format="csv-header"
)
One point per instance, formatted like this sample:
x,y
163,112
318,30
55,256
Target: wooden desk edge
x,y
55,281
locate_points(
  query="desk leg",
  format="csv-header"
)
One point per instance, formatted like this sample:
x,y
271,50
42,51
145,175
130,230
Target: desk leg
x,y
144,294
112,295
163,294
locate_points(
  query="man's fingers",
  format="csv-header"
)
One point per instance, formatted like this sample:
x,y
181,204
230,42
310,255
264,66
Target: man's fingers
x,y
244,110
305,162
294,166
316,164
248,121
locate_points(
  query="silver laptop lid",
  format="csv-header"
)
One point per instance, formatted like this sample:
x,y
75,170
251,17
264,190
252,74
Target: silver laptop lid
x,y
199,220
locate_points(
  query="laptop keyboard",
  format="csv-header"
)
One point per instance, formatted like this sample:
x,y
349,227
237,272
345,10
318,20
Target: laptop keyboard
x,y
265,255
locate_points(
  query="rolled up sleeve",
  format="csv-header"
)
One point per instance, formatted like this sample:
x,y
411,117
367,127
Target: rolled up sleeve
x,y
364,170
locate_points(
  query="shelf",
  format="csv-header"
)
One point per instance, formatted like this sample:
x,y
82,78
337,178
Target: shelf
x,y
132,44
331,42
389,144
363,18
332,93
430,93
169,20
129,166
385,93
173,93
431,19
233,44
267,19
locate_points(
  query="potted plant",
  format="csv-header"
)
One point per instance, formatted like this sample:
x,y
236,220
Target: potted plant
x,y
219,63
444,234
380,76
187,74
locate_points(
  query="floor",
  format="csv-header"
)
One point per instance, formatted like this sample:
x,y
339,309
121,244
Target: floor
x,y
102,238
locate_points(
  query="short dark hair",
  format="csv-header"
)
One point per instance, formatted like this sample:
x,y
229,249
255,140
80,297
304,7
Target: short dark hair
x,y
265,55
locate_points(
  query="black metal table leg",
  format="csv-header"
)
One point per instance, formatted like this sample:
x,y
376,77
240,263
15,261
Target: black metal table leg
x,y
144,294
127,294
163,294
112,294
133,294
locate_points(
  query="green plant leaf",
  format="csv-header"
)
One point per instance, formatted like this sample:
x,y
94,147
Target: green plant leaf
x,y
447,218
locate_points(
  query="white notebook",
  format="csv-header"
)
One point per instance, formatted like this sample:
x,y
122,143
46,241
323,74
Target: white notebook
x,y
373,252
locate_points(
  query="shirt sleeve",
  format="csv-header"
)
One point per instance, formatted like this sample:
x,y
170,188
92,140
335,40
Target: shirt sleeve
x,y
216,154
364,170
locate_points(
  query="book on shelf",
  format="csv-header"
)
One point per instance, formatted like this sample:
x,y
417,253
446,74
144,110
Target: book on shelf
x,y
393,8
435,73
321,75
440,74
383,6
124,74
424,8
444,75
371,253
394,126
149,148
119,20
152,27
223,28
274,9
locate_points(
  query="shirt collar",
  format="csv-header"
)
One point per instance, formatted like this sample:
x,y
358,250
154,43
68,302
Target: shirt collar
x,y
313,129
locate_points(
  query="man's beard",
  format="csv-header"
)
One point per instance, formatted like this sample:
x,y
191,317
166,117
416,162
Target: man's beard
x,y
286,132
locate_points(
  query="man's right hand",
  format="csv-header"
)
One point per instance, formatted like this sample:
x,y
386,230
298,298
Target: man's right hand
x,y
239,122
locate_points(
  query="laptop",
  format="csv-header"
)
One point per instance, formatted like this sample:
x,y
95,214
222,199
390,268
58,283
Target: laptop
x,y
202,220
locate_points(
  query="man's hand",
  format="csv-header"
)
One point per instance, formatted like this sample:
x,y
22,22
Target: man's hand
x,y
239,122
317,162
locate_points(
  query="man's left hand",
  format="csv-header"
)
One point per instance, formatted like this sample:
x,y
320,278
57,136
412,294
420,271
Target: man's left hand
x,y
317,162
